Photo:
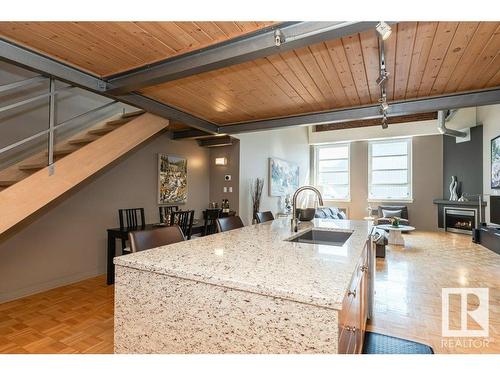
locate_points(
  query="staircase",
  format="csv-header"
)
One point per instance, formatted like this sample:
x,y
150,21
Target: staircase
x,y
19,171
27,186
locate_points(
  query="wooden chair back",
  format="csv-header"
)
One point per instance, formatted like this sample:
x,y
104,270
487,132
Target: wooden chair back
x,y
184,219
225,224
131,217
209,217
149,239
262,217
165,212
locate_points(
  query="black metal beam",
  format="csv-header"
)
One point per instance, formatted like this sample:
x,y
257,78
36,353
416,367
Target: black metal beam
x,y
453,101
189,134
33,61
221,141
246,48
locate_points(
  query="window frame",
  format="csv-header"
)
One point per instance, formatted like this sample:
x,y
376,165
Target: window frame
x,y
409,169
317,172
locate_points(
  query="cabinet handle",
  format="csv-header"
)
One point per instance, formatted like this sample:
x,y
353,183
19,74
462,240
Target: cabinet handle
x,y
353,293
350,329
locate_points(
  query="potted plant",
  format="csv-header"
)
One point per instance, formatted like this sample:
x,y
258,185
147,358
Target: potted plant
x,y
256,193
395,221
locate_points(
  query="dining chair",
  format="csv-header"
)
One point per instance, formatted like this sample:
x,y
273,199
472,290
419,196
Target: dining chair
x,y
130,218
210,216
184,219
228,223
149,239
262,217
165,212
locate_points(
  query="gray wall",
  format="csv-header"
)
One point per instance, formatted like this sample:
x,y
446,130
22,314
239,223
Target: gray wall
x,y
464,160
66,242
427,182
217,173
489,116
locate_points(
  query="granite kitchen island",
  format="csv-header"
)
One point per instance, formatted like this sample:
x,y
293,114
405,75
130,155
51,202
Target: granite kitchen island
x,y
246,291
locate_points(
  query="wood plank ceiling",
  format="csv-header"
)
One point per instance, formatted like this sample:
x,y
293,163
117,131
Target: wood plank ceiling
x,y
423,58
108,48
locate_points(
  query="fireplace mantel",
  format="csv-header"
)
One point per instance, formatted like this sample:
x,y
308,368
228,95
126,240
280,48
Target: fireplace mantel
x,y
457,203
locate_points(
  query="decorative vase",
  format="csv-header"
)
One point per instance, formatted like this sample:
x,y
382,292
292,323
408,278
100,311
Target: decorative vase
x,y
453,189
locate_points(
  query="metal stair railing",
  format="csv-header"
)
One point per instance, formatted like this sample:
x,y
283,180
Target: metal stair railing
x,y
52,121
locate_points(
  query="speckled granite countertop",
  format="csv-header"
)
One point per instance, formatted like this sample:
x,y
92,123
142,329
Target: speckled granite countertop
x,y
257,259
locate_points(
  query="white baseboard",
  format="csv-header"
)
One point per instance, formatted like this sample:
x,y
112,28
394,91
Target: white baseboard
x,y
51,284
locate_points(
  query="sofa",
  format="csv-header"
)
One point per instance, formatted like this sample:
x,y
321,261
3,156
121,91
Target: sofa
x,y
306,214
386,213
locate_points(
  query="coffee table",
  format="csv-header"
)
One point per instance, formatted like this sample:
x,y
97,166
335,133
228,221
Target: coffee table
x,y
395,237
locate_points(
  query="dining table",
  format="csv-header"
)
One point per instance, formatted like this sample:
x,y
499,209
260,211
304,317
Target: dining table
x,y
115,234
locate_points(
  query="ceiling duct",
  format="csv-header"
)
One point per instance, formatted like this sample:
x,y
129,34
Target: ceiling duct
x,y
443,117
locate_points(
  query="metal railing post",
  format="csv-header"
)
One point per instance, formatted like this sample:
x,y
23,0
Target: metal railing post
x,y
52,121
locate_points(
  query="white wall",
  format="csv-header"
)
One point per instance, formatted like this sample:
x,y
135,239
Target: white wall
x,y
489,116
255,151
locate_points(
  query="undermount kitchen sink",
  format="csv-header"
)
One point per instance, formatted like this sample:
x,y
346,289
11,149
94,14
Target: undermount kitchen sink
x,y
322,237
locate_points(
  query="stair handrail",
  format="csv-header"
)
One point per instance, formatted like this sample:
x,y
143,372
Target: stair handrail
x,y
60,125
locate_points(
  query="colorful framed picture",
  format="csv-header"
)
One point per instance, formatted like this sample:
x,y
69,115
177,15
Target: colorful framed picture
x,y
283,177
172,179
495,163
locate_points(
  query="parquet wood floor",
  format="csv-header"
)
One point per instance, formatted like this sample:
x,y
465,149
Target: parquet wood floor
x,y
408,289
78,318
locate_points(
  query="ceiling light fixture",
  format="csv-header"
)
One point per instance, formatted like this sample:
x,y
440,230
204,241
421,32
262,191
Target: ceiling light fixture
x,y
384,75
384,30
383,105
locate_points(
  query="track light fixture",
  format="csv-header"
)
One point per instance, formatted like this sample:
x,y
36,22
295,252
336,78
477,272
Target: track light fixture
x,y
383,104
384,30
384,75
385,125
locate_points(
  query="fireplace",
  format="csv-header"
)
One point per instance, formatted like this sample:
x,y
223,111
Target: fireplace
x,y
460,220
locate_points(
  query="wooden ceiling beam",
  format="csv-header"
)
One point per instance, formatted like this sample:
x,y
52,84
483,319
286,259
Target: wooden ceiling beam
x,y
275,39
33,61
376,122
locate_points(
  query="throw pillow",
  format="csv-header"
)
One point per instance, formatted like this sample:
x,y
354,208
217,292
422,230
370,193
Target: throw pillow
x,y
389,213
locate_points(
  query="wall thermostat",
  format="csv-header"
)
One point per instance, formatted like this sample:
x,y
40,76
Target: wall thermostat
x,y
227,177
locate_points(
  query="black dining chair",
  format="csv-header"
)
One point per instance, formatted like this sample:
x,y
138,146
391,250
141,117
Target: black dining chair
x,y
149,239
184,219
225,224
262,217
165,212
210,216
130,218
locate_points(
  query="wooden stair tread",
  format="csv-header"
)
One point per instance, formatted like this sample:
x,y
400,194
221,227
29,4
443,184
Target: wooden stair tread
x,y
133,114
33,166
63,151
100,131
117,122
82,141
7,183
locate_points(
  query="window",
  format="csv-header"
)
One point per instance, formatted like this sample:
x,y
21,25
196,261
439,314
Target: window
x,y
389,170
332,171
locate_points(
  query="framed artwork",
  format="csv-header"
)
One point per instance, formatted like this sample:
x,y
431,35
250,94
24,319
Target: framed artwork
x,y
495,163
172,179
283,177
